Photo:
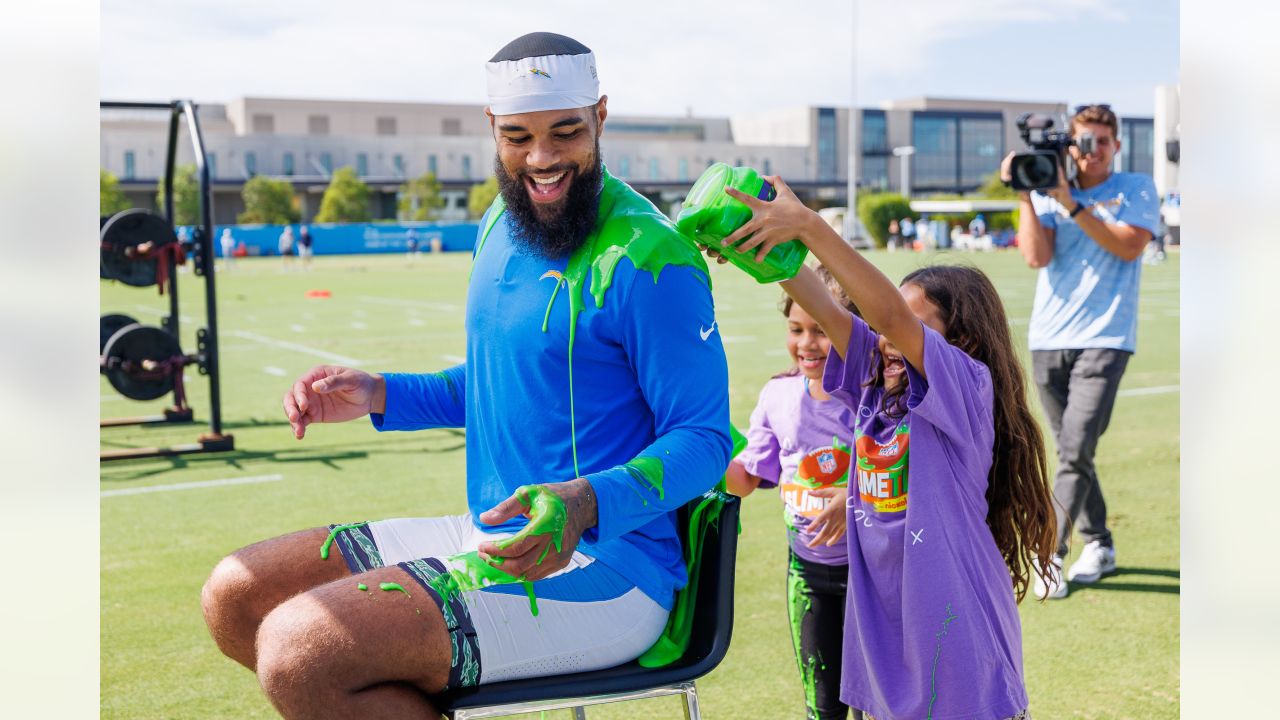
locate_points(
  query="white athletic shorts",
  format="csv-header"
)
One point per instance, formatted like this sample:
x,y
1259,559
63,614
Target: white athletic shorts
x,y
589,617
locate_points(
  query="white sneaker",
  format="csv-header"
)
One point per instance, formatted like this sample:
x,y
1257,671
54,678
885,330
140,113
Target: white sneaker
x,y
1095,561
1056,589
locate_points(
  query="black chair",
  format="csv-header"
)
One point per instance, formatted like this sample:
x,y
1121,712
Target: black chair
x,y
708,643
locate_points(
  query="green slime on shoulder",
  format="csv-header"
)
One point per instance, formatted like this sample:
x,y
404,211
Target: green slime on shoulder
x,y
627,226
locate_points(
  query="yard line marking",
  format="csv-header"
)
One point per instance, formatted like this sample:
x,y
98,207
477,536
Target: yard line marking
x,y
297,328
296,347
190,485
416,322
453,358
446,307
147,310
278,372
358,325
1157,390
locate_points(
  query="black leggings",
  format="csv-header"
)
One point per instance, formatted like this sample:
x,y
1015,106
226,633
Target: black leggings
x,y
815,604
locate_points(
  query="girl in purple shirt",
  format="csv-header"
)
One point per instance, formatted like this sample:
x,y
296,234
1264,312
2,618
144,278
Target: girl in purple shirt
x,y
935,574
799,441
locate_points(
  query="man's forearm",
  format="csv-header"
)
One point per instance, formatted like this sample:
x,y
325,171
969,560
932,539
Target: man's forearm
x,y
1033,238
1123,241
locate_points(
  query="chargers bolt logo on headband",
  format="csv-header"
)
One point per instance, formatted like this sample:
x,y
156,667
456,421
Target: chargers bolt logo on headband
x,y
536,71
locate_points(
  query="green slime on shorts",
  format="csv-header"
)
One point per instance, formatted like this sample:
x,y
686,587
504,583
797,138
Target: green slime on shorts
x,y
324,549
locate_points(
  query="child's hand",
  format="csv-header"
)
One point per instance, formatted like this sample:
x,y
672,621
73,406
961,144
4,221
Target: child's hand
x,y
831,522
773,222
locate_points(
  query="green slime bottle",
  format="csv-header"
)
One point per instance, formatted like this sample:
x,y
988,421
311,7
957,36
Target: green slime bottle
x,y
710,215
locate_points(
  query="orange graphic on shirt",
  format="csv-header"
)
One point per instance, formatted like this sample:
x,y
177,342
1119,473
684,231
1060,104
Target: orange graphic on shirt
x,y
824,467
882,470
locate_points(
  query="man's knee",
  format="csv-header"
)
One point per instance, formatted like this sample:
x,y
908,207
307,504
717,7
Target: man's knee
x,y
291,644
227,590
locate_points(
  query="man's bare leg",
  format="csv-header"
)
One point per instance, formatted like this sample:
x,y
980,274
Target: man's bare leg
x,y
251,582
340,652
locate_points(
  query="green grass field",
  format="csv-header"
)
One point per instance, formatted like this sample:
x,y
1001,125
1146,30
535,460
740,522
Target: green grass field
x,y
1107,651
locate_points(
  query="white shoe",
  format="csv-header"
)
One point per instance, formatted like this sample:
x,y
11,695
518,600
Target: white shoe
x,y
1056,589
1095,561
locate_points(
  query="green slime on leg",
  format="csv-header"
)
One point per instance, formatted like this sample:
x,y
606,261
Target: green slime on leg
x,y
468,571
362,586
391,587
798,605
324,549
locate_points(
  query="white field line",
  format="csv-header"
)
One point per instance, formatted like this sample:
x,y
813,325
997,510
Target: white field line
x,y
1157,390
341,359
358,325
297,328
147,310
190,485
270,370
453,358
445,307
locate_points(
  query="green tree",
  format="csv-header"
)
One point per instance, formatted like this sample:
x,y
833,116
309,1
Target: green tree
x,y
186,195
268,201
346,199
993,188
875,210
420,198
481,196
111,199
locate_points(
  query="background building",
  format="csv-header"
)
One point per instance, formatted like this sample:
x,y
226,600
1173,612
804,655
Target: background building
x,y
957,144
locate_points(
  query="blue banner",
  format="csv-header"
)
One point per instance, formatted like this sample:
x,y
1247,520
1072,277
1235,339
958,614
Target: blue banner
x,y
347,238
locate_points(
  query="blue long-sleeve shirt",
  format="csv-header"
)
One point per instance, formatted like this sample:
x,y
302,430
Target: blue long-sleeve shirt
x,y
649,377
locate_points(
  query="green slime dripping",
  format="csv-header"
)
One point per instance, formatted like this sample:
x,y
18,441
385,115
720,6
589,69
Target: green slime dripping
x,y
547,516
468,571
390,587
647,469
798,605
324,549
627,226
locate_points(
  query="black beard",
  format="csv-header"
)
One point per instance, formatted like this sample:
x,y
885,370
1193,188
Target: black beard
x,y
568,230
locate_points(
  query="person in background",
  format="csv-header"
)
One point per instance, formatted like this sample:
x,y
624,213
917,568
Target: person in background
x,y
1086,241
228,243
304,247
286,246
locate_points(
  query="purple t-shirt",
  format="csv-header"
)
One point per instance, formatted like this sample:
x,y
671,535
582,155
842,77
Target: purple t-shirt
x,y
798,444
931,625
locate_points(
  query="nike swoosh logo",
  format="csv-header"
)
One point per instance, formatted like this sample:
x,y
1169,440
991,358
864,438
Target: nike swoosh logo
x,y
706,332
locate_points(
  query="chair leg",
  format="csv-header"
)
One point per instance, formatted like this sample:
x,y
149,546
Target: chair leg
x,y
691,710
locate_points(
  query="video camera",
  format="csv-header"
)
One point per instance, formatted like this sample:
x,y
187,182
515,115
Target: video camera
x,y
1037,168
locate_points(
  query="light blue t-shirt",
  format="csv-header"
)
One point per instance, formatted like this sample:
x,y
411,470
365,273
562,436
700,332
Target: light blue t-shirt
x,y
649,378
1086,297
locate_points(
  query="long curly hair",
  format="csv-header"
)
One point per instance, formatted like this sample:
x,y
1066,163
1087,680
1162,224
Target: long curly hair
x,y
1019,499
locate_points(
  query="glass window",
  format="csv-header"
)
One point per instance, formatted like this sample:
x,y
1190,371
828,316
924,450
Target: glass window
x,y
433,165
827,160
264,124
768,167
130,169
318,124
981,143
288,163
624,166
212,161
874,172
654,168
466,167
682,168
933,167
326,162
251,164
362,164
397,161
1137,146
874,131
386,126
450,126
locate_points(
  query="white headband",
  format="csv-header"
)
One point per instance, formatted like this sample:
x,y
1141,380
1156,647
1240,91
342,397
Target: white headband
x,y
549,82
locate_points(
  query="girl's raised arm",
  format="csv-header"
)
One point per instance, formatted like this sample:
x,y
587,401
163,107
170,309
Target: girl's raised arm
x,y
784,218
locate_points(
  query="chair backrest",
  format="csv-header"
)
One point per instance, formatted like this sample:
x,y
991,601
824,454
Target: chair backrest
x,y
713,612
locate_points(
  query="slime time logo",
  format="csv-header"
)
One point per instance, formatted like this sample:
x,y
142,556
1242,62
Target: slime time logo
x,y
824,467
882,471
536,71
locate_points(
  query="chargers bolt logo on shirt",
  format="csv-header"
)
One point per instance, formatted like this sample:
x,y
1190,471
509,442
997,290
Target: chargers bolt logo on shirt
x,y
882,470
824,467
543,73
551,274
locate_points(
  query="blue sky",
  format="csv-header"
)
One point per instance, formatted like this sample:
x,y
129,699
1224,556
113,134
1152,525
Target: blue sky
x,y
663,57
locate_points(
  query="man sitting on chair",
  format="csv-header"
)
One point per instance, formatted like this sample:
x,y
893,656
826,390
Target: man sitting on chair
x,y
594,375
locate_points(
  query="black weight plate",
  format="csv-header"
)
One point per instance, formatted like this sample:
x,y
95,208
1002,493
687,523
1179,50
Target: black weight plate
x,y
125,353
108,326
127,230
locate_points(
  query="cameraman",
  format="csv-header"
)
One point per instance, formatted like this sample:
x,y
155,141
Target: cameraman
x,y
1087,241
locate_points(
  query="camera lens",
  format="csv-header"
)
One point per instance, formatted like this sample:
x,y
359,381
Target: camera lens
x,y
1036,171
